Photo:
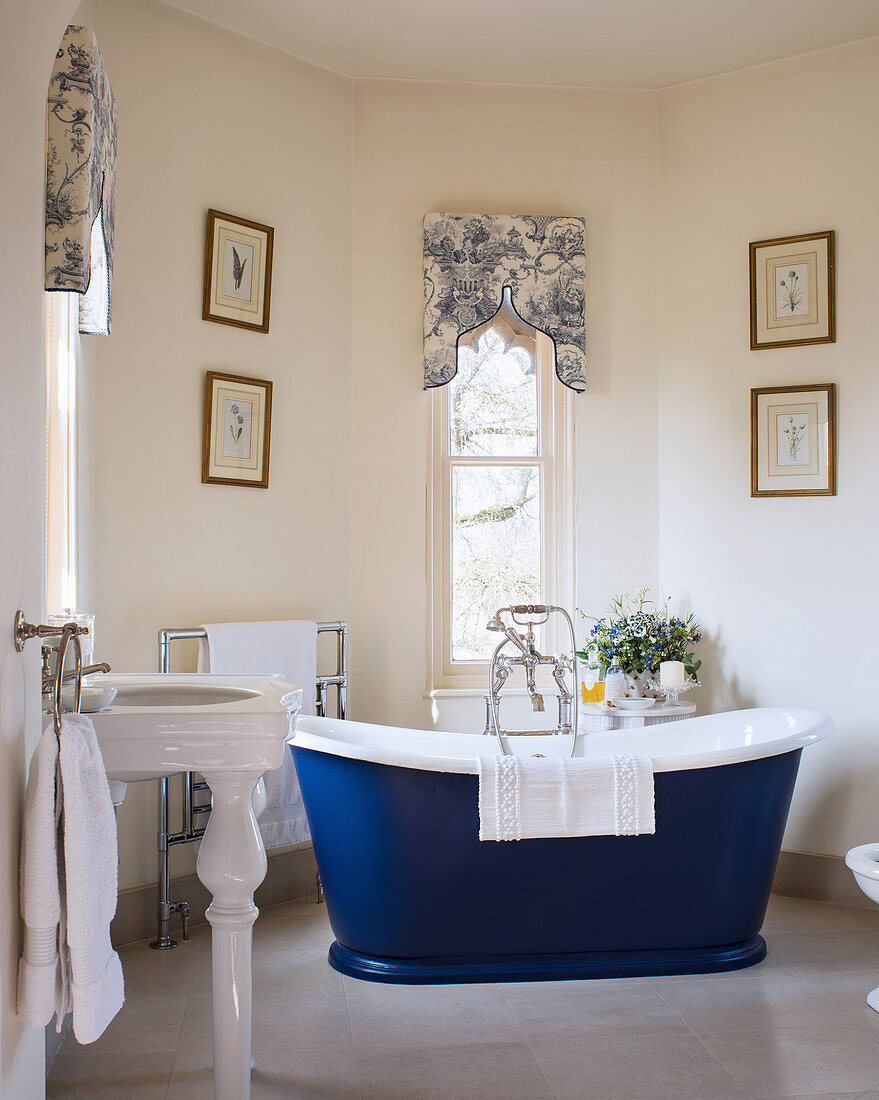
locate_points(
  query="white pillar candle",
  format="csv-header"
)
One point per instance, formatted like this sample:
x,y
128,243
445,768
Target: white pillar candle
x,y
671,674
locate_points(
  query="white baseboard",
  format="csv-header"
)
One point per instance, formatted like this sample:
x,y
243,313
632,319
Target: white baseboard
x,y
290,875
819,878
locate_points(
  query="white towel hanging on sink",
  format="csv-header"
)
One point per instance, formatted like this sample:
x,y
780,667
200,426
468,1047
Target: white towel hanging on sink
x,y
69,885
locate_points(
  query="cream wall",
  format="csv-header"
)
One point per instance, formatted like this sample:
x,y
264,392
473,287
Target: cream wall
x,y
345,173
422,147
168,550
31,34
785,587
87,348
208,119
782,586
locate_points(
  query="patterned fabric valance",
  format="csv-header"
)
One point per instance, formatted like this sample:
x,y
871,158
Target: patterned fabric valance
x,y
81,179
470,258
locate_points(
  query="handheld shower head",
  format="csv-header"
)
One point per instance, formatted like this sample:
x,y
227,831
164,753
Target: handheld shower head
x,y
495,623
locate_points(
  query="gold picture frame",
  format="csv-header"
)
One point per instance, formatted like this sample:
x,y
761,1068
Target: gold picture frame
x,y
793,441
237,430
237,272
792,284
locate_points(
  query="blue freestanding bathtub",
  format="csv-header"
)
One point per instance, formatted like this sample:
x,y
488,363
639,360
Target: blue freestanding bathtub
x,y
414,896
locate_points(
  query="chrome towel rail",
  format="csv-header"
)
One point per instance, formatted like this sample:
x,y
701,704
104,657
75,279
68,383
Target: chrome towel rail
x,y
68,632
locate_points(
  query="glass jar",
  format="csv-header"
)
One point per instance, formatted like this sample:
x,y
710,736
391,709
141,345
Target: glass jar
x,y
81,618
593,685
614,682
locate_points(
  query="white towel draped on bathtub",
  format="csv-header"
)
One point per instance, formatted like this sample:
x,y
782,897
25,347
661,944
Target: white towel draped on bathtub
x,y
521,797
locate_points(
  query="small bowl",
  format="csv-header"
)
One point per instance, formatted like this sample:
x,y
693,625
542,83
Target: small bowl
x,y
93,698
634,704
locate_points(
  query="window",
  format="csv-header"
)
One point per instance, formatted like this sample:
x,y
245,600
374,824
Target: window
x,y
501,530
62,340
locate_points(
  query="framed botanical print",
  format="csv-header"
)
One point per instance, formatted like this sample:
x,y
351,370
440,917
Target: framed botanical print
x,y
238,272
237,430
792,291
793,441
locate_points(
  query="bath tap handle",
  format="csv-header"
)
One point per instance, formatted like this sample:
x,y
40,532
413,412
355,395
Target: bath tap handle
x,y
500,679
558,674
512,636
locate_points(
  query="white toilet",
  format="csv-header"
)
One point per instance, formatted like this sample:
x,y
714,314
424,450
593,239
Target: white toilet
x,y
864,864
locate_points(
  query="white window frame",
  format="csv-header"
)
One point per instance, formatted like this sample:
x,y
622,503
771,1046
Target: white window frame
x,y
555,461
62,446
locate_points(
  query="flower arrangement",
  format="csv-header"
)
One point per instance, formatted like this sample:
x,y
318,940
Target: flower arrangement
x,y
642,638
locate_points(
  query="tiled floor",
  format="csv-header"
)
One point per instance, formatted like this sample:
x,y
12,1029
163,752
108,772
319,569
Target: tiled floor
x,y
795,1026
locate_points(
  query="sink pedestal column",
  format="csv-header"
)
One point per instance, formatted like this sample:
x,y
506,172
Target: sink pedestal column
x,y
231,864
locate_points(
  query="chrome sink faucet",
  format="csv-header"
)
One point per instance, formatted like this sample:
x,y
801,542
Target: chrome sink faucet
x,y
48,673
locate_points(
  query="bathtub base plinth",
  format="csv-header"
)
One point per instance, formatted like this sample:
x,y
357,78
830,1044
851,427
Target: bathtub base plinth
x,y
547,968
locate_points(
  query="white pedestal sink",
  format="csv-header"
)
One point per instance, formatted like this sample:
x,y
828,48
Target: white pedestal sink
x,y
231,729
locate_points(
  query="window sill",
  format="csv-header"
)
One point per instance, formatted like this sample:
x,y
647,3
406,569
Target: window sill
x,y
467,692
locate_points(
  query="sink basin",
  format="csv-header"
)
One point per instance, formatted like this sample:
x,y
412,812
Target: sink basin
x,y
231,729
161,724
184,695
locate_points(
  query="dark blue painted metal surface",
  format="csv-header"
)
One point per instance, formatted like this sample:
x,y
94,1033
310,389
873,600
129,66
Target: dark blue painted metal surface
x,y
547,968
414,896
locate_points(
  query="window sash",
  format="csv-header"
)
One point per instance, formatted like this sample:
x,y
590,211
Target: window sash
x,y
555,438
61,521
539,465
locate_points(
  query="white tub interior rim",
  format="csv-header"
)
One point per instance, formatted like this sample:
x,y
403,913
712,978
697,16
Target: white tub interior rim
x,y
709,741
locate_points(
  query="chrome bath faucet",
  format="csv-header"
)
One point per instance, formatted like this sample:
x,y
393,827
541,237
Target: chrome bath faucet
x,y
530,659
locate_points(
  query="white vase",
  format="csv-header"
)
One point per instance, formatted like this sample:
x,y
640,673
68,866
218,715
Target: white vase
x,y
636,685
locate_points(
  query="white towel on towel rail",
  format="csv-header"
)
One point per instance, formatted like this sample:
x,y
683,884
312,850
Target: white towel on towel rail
x,y
69,886
553,796
287,648
41,989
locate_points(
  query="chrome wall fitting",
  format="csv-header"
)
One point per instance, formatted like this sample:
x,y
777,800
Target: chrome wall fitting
x,y
23,631
528,657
